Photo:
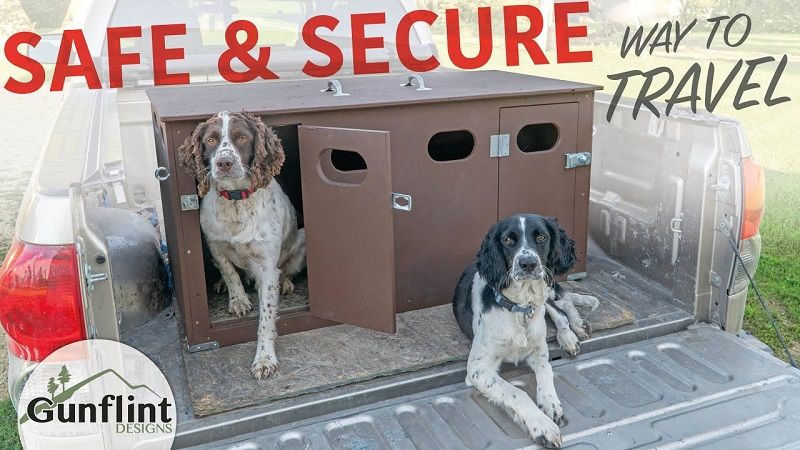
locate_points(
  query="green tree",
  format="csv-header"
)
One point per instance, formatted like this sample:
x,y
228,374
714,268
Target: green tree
x,y
52,387
63,377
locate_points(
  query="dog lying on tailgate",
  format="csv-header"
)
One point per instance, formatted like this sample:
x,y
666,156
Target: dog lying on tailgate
x,y
247,220
500,303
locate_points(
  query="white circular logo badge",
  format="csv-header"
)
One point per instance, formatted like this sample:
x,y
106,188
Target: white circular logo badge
x,y
97,394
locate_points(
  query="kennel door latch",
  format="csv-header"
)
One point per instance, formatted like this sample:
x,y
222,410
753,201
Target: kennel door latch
x,y
578,159
499,145
401,201
190,202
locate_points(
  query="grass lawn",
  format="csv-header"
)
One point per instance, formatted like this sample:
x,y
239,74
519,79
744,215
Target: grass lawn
x,y
9,440
778,275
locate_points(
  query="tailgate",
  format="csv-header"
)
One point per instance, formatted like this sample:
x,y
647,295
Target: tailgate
x,y
699,388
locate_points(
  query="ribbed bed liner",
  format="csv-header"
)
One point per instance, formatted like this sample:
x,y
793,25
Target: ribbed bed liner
x,y
700,388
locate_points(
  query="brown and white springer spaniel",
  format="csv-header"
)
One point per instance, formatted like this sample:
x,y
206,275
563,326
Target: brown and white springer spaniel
x,y
247,220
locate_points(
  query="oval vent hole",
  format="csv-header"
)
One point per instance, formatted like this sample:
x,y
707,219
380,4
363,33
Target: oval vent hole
x,y
537,137
451,145
343,166
347,161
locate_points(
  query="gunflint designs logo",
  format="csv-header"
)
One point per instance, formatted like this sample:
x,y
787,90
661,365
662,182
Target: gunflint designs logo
x,y
97,394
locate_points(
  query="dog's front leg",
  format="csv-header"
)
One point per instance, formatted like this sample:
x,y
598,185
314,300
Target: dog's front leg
x,y
266,362
576,322
482,374
294,261
564,335
238,301
545,389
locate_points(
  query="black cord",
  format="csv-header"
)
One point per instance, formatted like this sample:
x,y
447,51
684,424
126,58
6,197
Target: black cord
x,y
760,298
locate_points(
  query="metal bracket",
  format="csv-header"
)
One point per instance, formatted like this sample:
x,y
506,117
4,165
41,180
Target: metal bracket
x,y
676,224
210,345
406,199
336,87
722,184
499,145
91,278
419,80
578,159
577,276
190,202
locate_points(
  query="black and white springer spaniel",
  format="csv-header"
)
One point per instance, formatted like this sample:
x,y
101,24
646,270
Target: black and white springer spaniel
x,y
247,220
500,303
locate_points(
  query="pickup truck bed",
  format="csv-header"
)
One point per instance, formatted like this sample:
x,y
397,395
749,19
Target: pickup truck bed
x,y
699,388
614,394
661,188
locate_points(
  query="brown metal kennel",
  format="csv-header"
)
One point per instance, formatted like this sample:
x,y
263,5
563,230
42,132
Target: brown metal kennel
x,y
401,177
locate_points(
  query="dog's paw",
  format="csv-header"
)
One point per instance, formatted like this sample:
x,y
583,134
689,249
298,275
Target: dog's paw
x,y
264,367
546,433
287,287
582,329
551,407
568,341
238,305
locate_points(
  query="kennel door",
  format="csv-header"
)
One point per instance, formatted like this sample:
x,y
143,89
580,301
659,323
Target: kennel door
x,y
346,180
533,177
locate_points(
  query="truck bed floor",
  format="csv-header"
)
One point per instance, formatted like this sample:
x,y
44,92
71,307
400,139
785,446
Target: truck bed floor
x,y
699,388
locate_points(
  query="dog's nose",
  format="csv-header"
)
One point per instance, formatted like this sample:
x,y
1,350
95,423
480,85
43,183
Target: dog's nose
x,y
224,163
528,264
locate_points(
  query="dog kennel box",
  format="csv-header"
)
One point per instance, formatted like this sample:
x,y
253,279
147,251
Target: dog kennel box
x,y
396,178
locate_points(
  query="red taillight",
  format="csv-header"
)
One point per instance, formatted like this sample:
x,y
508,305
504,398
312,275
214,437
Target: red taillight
x,y
40,299
754,197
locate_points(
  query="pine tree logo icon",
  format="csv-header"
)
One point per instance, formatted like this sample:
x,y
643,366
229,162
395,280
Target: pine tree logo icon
x,y
52,387
64,377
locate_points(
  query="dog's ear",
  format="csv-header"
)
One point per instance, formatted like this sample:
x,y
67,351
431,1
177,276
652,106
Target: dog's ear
x,y
190,157
492,265
562,249
269,156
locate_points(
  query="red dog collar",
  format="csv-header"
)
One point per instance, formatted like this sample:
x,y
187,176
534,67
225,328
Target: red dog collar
x,y
239,194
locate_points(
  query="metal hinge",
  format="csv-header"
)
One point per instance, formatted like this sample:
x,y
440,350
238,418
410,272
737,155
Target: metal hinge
x,y
578,159
210,345
499,145
190,202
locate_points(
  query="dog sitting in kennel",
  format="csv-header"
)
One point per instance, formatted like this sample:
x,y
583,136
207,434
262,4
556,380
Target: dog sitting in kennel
x,y
247,220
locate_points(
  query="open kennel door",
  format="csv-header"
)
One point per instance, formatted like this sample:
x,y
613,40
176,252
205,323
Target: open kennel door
x,y
346,180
